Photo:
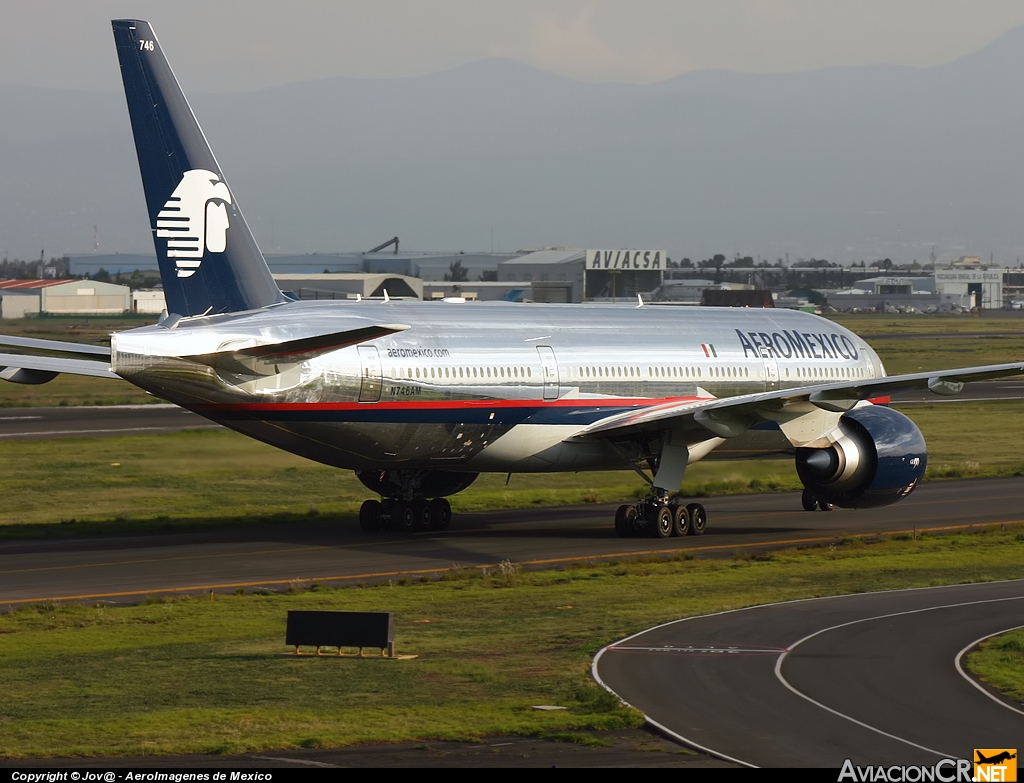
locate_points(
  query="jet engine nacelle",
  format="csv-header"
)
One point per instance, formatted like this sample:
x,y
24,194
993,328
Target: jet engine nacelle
x,y
878,459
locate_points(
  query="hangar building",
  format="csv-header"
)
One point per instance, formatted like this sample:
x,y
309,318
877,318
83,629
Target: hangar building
x,y
19,298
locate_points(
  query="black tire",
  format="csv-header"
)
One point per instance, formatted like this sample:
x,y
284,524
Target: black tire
x,y
680,519
422,514
623,524
406,516
808,501
664,522
634,522
698,519
440,514
369,515
824,505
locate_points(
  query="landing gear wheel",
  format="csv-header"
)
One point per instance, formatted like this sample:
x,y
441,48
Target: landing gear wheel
x,y
440,514
664,522
680,519
406,517
808,501
624,525
628,523
422,515
369,515
698,519
824,505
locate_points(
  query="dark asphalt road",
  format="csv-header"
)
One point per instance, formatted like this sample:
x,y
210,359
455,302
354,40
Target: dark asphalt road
x,y
872,678
99,421
121,569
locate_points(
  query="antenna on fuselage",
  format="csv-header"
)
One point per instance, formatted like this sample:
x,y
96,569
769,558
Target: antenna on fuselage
x,y
640,299
386,297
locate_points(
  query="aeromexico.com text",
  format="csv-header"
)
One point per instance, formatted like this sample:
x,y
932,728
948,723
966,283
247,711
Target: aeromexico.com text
x,y
416,353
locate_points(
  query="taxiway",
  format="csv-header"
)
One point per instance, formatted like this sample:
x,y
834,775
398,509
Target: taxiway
x,y
336,551
874,678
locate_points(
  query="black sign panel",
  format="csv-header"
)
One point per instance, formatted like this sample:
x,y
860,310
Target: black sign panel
x,y
339,629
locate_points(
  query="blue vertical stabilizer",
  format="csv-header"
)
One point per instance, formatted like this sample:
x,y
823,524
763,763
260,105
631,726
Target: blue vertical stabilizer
x,y
209,260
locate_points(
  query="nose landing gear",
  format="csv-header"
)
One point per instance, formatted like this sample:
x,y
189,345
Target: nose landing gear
x,y
405,516
659,517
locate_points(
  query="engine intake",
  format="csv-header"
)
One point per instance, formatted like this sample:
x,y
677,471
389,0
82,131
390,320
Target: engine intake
x,y
878,459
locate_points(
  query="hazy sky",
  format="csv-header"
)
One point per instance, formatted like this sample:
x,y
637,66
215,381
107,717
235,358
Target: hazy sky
x,y
245,45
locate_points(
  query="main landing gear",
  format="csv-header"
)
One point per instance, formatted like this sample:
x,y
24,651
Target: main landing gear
x,y
406,516
659,517
811,503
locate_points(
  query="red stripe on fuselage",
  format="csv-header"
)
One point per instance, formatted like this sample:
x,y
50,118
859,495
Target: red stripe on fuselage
x,y
609,402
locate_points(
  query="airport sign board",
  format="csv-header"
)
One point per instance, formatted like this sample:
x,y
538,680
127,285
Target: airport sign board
x,y
626,259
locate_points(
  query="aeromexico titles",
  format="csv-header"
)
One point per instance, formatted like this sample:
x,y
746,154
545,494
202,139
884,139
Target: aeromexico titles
x,y
419,398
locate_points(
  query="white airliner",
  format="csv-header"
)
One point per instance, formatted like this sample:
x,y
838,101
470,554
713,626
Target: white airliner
x,y
419,398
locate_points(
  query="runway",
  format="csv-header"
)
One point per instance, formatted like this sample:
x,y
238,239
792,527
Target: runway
x,y
98,421
873,678
336,551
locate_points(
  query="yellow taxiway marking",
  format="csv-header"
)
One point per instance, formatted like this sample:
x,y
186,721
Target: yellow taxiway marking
x,y
548,561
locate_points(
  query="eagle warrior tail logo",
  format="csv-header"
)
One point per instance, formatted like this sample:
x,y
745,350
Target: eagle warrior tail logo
x,y
194,220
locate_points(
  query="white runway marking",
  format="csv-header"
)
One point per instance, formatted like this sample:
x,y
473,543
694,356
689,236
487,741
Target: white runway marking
x,y
100,432
711,751
709,650
975,683
306,762
778,666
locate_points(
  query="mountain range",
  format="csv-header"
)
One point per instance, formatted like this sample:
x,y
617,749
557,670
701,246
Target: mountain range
x,y
842,163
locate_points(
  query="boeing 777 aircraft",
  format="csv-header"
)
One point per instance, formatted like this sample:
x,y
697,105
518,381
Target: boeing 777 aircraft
x,y
419,398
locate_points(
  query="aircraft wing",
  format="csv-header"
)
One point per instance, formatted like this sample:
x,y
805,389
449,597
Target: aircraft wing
x,y
21,368
806,415
60,346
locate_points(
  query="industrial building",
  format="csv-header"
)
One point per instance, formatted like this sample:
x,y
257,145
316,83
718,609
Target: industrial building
x,y
576,275
20,298
350,286
426,266
943,290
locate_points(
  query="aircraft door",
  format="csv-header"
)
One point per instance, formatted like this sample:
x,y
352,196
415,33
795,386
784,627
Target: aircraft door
x,y
370,375
771,369
549,368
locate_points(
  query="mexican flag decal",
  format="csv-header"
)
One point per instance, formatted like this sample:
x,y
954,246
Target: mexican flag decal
x,y
709,350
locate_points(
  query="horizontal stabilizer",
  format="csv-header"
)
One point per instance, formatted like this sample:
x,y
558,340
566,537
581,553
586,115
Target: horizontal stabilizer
x,y
36,368
294,351
56,345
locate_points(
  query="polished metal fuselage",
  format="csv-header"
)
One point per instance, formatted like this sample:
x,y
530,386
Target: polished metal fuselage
x,y
483,386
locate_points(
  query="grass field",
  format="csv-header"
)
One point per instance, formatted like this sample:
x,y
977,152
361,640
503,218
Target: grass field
x,y
191,675
999,661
